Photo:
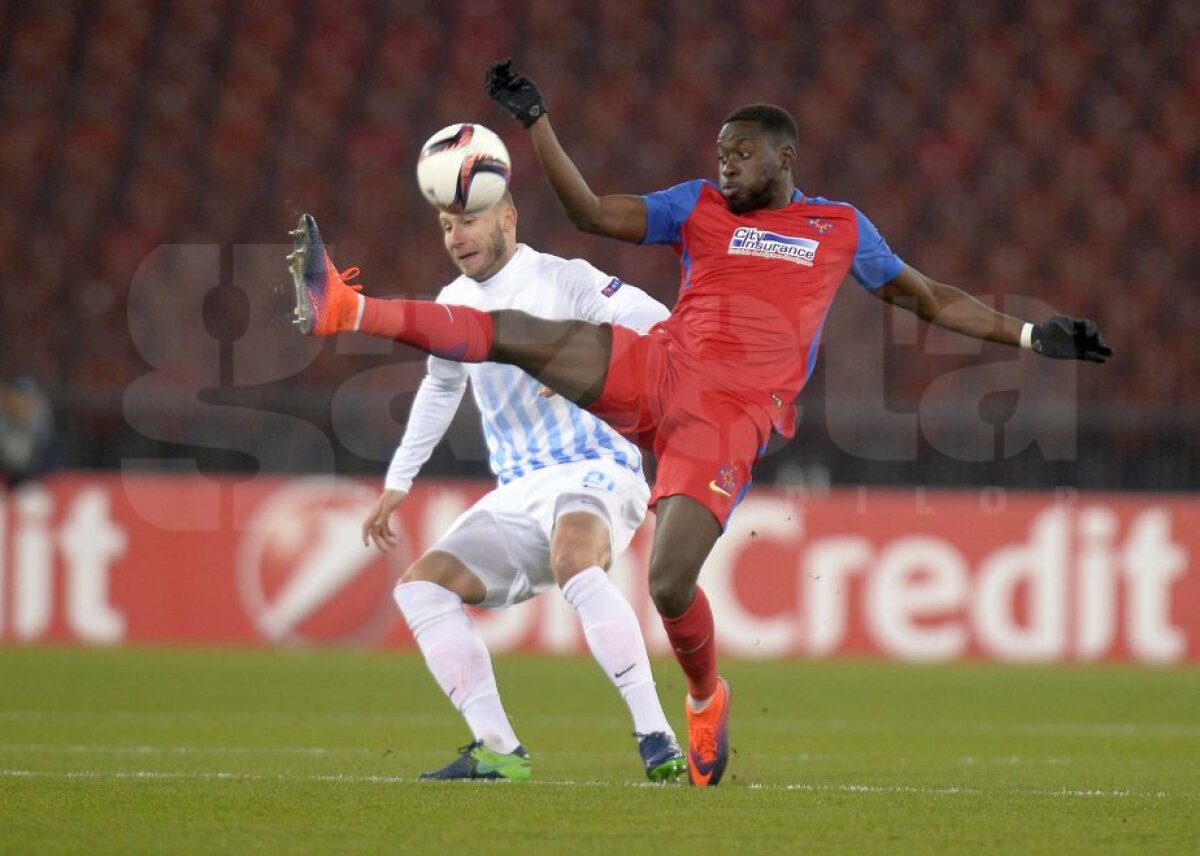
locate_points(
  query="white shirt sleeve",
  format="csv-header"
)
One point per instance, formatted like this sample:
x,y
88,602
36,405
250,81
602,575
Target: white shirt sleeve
x,y
433,408
605,299
634,308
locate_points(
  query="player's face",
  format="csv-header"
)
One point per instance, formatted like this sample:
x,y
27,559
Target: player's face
x,y
753,168
477,243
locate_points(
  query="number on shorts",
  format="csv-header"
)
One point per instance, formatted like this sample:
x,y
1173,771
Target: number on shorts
x,y
600,481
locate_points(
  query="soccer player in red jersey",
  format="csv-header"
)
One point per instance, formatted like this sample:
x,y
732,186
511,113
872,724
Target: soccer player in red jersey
x,y
761,264
707,387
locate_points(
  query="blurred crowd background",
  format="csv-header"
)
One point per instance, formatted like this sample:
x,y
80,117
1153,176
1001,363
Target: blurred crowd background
x,y
153,154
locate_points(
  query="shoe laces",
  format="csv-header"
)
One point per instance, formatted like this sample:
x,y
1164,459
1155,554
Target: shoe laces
x,y
639,736
345,276
706,741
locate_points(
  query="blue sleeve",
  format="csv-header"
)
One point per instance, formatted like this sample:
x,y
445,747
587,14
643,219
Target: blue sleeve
x,y
875,264
666,210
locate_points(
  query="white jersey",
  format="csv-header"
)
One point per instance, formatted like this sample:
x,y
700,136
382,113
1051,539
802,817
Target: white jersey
x,y
524,431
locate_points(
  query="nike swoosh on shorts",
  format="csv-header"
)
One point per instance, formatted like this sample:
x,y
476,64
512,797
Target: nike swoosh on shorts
x,y
716,488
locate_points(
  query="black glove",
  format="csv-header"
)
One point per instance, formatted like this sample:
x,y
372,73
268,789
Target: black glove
x,y
516,93
1067,338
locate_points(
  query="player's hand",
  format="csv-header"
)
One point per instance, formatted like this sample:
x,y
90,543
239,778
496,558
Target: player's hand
x,y
1067,338
516,93
546,392
377,527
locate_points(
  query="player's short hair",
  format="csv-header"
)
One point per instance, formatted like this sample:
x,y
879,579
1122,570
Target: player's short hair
x,y
772,118
505,200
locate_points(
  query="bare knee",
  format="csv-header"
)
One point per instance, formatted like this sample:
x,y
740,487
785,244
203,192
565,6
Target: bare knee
x,y
581,540
570,357
448,572
525,340
685,535
513,324
673,584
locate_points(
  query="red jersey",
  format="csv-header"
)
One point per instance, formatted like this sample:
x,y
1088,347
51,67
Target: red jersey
x,y
756,287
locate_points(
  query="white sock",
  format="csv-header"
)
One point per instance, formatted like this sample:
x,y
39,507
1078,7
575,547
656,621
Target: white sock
x,y
458,659
615,639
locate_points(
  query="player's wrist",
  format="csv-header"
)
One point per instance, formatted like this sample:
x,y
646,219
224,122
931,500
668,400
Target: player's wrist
x,y
533,115
398,485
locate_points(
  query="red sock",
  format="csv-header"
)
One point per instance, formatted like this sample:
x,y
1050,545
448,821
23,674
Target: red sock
x,y
457,333
691,636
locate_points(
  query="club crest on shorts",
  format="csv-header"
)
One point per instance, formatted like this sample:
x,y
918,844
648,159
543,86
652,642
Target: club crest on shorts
x,y
725,482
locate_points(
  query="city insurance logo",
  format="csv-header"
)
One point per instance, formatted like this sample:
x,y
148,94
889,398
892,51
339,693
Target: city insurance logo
x,y
747,241
305,577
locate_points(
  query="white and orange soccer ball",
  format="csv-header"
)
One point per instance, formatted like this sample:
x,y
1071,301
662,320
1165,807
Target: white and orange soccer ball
x,y
463,168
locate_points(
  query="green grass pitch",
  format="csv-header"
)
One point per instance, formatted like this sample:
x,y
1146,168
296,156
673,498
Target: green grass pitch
x,y
314,752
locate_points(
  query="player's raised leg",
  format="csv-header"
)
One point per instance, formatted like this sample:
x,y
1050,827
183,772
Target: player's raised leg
x,y
431,595
683,538
580,554
571,357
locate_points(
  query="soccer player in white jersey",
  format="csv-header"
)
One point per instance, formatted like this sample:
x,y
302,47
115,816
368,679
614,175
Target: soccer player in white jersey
x,y
571,494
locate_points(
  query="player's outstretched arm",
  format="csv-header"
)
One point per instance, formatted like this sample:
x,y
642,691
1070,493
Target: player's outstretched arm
x,y
620,216
377,527
1061,337
433,408
617,216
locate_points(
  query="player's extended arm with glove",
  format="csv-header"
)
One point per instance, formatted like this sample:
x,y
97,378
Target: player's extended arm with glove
x,y
1067,338
1061,337
617,216
516,93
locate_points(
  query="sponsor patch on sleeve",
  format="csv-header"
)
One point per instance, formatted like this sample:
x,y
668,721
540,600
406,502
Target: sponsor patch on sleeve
x,y
613,285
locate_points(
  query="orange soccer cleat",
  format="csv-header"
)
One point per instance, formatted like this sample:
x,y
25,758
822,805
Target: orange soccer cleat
x,y
708,738
325,301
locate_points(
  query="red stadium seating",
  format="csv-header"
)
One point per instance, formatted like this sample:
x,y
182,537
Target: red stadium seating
x,y
1044,150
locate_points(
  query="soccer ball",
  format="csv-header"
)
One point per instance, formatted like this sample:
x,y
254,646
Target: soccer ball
x,y
463,169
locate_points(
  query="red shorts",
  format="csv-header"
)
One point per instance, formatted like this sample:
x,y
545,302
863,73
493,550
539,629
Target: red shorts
x,y
705,439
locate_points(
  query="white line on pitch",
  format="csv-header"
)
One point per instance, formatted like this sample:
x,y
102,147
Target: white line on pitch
x,y
316,751
184,750
354,779
759,723
218,775
1014,760
974,792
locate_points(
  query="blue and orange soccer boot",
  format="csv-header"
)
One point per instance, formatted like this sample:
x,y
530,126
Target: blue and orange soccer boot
x,y
661,755
708,738
476,761
325,301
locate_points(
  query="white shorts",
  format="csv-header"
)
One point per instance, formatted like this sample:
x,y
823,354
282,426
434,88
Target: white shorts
x,y
504,538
